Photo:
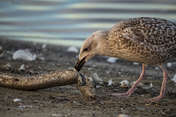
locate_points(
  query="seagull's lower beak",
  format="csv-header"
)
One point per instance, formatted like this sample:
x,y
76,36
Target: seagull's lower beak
x,y
80,64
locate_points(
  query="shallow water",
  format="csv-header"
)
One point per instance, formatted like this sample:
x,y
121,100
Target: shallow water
x,y
69,22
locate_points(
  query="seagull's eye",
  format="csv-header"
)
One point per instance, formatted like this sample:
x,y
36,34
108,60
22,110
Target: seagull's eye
x,y
85,49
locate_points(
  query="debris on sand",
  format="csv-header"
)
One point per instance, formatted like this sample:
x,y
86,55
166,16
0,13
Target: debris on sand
x,y
111,59
156,68
97,79
22,67
174,78
135,63
44,46
17,100
57,115
110,82
24,55
124,83
151,85
123,115
169,64
72,49
22,107
98,86
146,87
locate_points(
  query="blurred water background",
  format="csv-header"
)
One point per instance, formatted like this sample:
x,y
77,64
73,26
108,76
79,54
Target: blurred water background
x,y
69,22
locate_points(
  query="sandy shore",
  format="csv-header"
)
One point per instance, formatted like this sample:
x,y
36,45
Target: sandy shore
x,y
66,101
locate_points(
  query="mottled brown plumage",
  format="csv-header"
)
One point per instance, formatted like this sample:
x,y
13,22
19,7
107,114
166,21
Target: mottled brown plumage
x,y
146,40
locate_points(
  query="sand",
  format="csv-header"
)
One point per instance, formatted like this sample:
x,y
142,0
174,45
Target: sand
x,y
66,101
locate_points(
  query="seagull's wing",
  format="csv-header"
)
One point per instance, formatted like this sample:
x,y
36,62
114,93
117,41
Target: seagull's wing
x,y
145,36
151,32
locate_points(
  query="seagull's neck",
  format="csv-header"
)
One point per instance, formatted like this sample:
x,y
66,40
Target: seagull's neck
x,y
105,50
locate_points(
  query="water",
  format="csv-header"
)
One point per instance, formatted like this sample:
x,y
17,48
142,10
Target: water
x,y
69,22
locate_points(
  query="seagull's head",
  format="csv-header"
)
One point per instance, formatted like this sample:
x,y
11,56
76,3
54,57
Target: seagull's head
x,y
92,46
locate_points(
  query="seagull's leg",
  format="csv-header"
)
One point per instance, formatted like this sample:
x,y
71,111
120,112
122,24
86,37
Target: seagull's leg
x,y
163,87
131,90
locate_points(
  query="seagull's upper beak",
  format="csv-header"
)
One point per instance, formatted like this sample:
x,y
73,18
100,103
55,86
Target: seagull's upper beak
x,y
80,64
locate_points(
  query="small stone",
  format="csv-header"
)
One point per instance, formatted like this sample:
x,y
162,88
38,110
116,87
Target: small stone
x,y
148,87
98,86
24,55
97,79
44,46
17,100
169,64
135,63
22,67
124,83
151,85
110,82
72,49
112,60
24,106
156,68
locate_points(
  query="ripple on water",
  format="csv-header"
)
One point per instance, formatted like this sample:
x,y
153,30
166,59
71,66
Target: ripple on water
x,y
64,21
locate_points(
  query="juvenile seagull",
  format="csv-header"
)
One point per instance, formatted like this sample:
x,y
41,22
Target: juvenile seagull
x,y
146,40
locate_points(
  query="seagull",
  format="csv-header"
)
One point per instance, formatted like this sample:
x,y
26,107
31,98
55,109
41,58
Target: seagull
x,y
147,40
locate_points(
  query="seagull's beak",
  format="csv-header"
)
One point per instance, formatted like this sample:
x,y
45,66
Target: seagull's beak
x,y
80,64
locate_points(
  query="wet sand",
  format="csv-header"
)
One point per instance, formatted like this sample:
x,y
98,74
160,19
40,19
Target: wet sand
x,y
66,101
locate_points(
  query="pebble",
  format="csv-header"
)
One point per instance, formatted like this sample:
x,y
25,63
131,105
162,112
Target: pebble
x,y
169,64
151,85
72,49
24,55
44,46
110,82
124,83
148,87
24,106
97,79
135,63
112,60
156,68
22,67
98,86
17,100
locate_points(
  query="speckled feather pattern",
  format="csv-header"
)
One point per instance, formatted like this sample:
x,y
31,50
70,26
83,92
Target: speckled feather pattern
x,y
146,40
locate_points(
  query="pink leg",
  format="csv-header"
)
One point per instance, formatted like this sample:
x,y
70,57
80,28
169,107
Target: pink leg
x,y
163,87
131,90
